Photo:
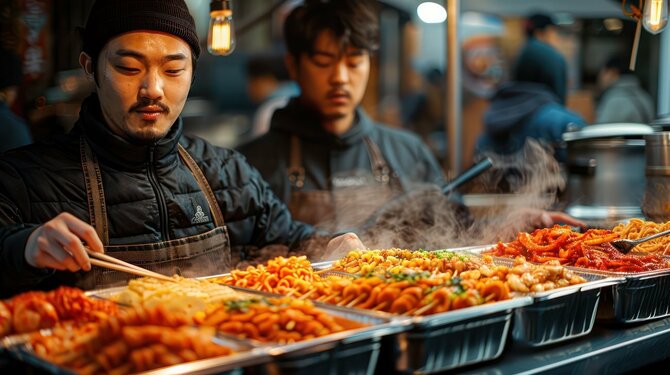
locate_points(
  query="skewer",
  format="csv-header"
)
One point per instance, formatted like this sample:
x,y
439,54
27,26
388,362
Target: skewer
x,y
424,308
357,300
117,267
309,293
329,297
345,301
380,306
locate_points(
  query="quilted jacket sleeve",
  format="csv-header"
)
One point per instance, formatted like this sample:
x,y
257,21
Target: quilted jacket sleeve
x,y
15,273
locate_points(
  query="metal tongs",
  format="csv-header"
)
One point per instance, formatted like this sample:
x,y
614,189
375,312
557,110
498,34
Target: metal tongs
x,y
625,246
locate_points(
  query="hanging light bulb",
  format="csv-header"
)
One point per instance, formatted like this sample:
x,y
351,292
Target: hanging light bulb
x,y
221,37
655,15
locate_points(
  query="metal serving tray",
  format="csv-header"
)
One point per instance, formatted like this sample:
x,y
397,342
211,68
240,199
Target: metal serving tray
x,y
560,314
641,297
555,315
246,356
637,297
461,337
349,352
442,341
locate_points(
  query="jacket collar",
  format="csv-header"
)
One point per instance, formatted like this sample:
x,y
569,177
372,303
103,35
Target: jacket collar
x,y
114,150
300,120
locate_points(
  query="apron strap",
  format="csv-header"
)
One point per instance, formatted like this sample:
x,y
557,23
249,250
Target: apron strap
x,y
95,195
204,185
296,173
380,167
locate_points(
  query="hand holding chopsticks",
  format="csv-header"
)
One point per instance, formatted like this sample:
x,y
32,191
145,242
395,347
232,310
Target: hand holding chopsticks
x,y
107,261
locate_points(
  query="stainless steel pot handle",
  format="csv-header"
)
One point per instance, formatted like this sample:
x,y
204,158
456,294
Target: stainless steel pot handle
x,y
582,166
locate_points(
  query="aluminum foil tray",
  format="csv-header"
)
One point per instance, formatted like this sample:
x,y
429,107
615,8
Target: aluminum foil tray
x,y
247,356
461,337
636,297
555,315
641,297
349,352
443,341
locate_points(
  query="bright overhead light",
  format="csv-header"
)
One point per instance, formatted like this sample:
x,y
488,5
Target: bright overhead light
x,y
430,12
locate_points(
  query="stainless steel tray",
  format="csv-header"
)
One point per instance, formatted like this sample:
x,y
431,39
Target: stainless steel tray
x,y
351,351
637,297
555,315
246,356
447,340
641,297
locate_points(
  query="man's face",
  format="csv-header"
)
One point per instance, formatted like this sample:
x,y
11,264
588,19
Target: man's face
x,y
332,81
143,81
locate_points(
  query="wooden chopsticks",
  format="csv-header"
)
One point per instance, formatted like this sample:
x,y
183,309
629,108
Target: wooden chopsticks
x,y
112,263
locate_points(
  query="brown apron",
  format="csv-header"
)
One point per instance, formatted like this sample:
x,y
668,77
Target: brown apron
x,y
200,255
355,195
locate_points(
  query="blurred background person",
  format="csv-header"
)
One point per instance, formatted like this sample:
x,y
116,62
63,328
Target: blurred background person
x,y
324,156
542,28
269,87
622,98
530,106
14,131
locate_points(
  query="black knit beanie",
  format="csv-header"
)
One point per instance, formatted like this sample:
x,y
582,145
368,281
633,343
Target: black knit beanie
x,y
109,18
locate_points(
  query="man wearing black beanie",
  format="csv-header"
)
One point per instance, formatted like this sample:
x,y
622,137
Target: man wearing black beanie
x,y
125,180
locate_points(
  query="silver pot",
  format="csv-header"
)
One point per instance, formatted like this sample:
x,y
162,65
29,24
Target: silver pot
x,y
656,202
606,172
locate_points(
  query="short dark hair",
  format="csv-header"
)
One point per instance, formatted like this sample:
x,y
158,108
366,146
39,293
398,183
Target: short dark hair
x,y
617,63
354,23
538,22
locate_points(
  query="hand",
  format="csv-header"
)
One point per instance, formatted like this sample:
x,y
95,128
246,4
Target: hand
x,y
341,245
58,244
549,218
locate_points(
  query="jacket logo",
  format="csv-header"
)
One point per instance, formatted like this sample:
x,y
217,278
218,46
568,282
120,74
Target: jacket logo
x,y
199,217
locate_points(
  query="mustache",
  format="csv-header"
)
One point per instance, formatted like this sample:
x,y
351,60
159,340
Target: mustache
x,y
338,92
142,104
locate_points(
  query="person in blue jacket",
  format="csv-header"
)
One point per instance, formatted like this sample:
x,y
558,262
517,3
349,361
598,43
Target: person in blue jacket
x,y
531,105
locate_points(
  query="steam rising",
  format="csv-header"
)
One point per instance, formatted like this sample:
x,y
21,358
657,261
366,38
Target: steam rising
x,y
424,218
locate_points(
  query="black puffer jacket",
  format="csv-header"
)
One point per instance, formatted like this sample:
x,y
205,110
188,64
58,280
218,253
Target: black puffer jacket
x,y
40,181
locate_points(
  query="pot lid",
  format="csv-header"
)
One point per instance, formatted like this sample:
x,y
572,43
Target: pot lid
x,y
616,129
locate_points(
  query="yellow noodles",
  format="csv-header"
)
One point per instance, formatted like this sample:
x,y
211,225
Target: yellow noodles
x,y
637,228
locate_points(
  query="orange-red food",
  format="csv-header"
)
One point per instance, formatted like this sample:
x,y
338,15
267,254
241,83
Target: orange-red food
x,y
281,320
136,340
591,249
32,311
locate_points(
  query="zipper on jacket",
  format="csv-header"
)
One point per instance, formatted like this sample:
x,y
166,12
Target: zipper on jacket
x,y
162,207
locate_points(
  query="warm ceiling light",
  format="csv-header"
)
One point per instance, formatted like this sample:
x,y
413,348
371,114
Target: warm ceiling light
x,y
655,15
221,36
430,12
